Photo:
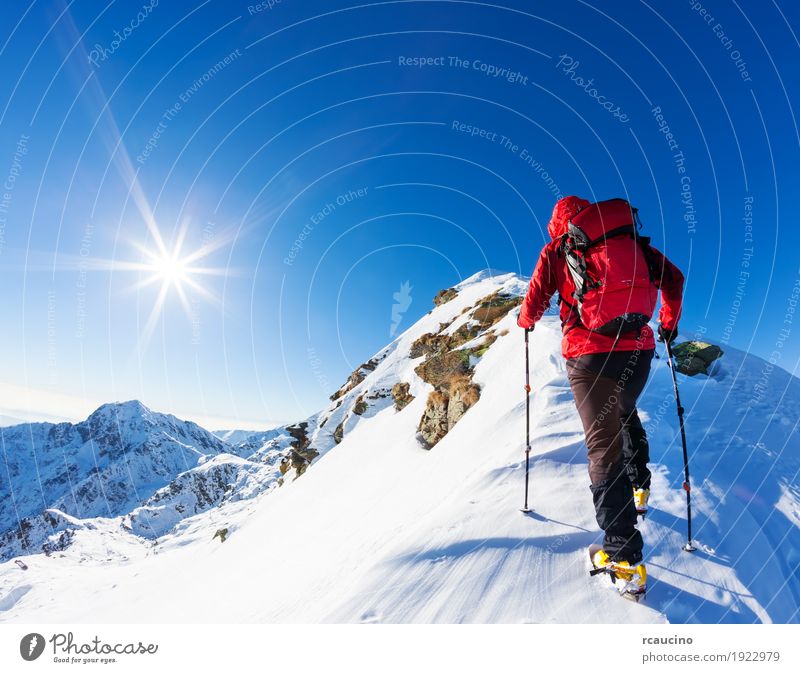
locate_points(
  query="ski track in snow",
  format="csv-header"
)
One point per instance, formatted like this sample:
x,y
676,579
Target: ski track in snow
x,y
380,530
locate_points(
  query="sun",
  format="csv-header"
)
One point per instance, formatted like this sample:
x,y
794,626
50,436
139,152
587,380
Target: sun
x,y
174,271
171,269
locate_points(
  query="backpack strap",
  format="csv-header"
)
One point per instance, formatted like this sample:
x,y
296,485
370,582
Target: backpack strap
x,y
624,230
576,266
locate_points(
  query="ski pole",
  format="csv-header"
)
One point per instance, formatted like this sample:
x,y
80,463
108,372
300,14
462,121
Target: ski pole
x,y
686,484
527,420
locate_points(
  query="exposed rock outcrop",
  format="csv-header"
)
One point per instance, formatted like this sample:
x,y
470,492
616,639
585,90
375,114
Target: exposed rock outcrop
x,y
338,433
356,377
401,395
448,363
360,407
439,370
494,307
434,425
445,407
301,453
443,296
463,395
695,357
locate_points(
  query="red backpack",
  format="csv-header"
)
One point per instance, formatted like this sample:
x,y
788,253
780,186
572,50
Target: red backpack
x,y
610,264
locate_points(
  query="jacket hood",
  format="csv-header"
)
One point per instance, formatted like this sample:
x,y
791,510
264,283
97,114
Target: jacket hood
x,y
564,209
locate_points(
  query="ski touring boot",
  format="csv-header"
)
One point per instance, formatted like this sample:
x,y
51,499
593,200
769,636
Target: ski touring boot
x,y
629,580
640,498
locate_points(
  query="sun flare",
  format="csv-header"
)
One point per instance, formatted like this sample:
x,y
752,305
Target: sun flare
x,y
170,269
173,271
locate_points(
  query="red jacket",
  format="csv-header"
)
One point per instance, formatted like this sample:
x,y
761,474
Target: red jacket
x,y
550,276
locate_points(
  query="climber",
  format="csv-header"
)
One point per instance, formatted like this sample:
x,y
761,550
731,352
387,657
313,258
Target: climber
x,y
607,277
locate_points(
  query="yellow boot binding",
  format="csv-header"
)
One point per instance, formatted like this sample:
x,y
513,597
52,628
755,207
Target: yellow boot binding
x,y
632,579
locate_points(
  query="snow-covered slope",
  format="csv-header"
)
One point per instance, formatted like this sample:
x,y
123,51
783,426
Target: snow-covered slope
x,y
235,437
382,527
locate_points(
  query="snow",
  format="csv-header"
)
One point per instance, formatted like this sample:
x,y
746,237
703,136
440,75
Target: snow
x,y
379,529
239,436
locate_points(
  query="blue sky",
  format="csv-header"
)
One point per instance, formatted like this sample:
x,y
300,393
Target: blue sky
x,y
315,156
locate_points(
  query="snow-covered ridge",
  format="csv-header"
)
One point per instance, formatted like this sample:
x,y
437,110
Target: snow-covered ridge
x,y
382,527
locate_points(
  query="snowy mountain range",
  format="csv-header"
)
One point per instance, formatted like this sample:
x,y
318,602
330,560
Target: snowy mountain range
x,y
399,501
125,461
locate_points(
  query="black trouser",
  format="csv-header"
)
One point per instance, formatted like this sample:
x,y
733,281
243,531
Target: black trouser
x,y
606,387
